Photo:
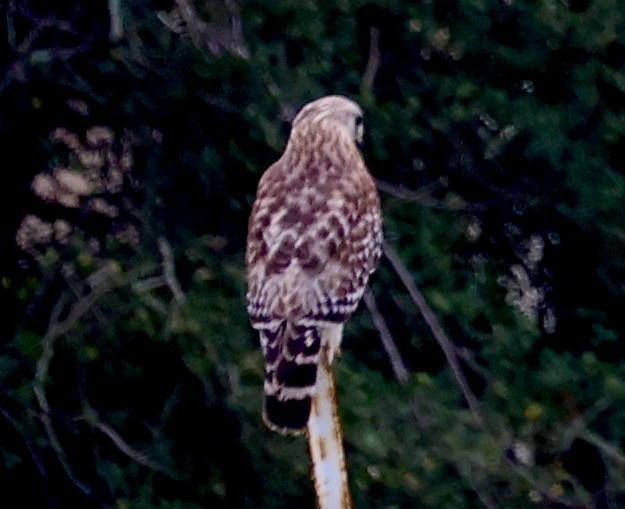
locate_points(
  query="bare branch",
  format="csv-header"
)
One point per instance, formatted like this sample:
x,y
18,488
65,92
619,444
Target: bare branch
x,y
169,270
116,31
28,444
485,498
542,490
223,33
421,196
399,369
18,14
148,284
99,283
41,374
373,64
439,334
488,502
129,451
397,364
607,448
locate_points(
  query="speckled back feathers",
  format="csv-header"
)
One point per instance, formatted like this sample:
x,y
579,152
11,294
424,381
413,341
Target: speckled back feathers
x,y
314,238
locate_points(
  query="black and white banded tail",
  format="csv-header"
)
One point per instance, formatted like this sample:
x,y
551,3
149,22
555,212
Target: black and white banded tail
x,y
291,362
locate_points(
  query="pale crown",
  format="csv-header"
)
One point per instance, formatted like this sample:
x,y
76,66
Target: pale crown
x,y
333,112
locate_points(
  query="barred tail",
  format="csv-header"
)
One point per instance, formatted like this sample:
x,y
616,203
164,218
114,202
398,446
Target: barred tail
x,y
291,363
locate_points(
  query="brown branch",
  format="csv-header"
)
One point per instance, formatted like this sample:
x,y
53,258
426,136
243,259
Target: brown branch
x,y
437,331
169,270
607,448
116,31
485,498
100,283
24,48
397,364
126,449
223,33
543,489
36,460
41,374
423,196
373,63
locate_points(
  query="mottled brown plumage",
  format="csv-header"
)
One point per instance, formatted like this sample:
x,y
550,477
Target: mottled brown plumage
x,y
314,238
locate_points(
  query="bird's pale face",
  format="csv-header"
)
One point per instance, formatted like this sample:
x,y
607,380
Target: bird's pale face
x,y
333,111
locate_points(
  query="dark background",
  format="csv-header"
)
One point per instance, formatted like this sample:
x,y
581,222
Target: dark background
x,y
132,136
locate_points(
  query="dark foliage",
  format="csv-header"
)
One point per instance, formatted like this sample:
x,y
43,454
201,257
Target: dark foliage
x,y
133,134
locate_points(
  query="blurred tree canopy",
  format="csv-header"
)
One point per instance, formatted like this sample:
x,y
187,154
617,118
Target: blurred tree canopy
x,y
132,135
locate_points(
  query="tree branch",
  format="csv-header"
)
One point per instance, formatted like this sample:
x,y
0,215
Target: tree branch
x,y
607,448
169,270
421,196
437,331
373,63
99,283
126,449
41,375
34,456
397,364
222,33
116,31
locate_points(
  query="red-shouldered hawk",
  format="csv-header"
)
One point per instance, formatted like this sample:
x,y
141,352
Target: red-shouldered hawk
x,y
314,238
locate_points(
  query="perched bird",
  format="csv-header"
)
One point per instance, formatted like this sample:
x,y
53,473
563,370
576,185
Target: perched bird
x,y
314,238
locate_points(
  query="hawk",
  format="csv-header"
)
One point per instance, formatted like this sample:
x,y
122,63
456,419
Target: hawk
x,y
314,238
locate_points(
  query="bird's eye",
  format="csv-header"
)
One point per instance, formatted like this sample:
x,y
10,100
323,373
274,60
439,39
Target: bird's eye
x,y
359,130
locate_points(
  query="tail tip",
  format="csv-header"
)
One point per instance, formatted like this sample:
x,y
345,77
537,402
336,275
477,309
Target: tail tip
x,y
287,417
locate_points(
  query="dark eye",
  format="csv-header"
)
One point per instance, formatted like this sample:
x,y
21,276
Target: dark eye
x,y
358,121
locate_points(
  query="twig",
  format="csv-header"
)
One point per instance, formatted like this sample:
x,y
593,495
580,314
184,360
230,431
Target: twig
x,y
399,369
100,283
26,54
223,33
169,270
373,63
10,21
485,498
116,31
126,449
78,290
488,502
123,446
439,334
397,364
41,374
37,462
421,196
542,489
579,429
148,284
607,448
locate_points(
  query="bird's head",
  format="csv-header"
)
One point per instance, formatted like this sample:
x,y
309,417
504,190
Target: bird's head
x,y
334,113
